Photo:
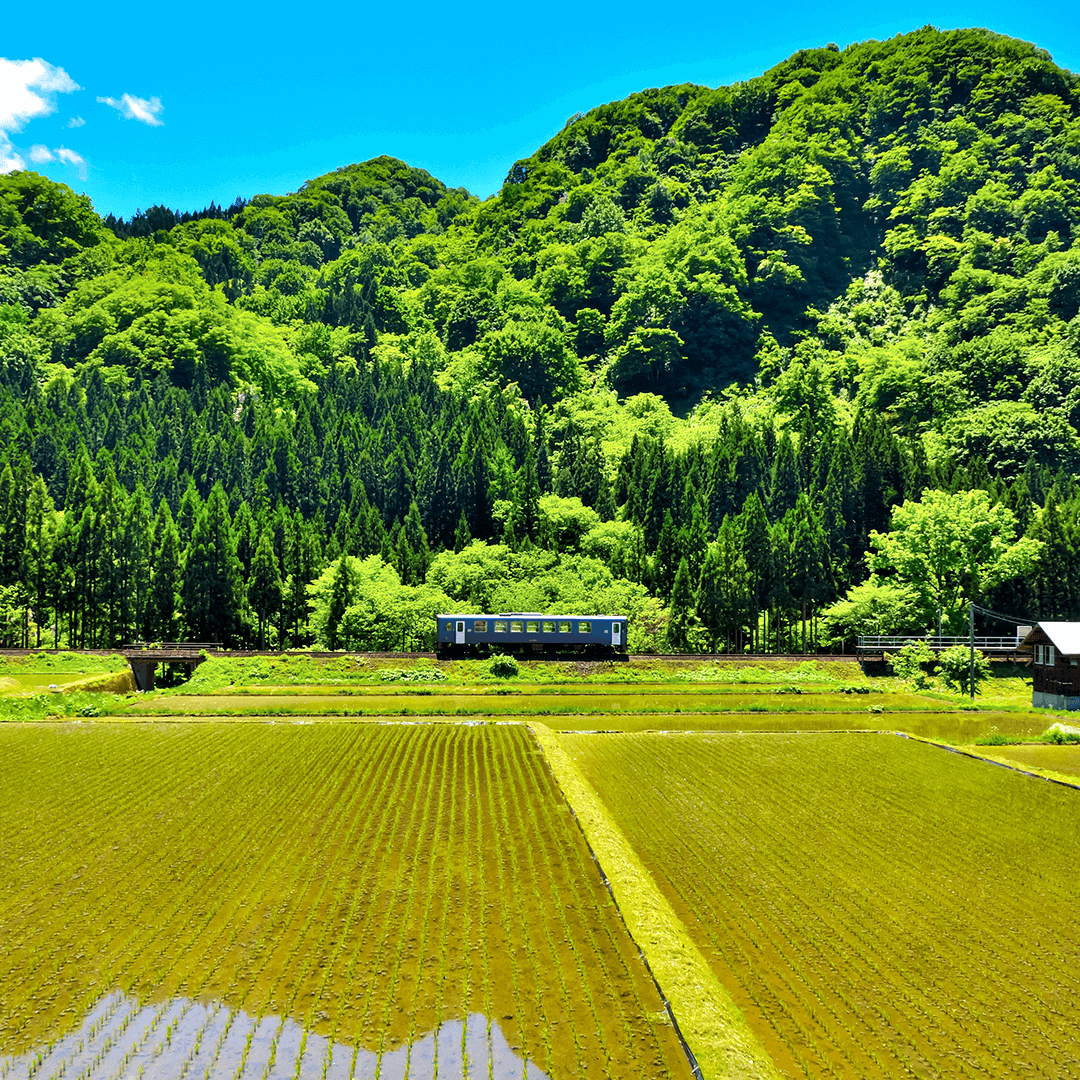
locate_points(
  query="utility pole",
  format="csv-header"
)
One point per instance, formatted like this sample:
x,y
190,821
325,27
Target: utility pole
x,y
971,647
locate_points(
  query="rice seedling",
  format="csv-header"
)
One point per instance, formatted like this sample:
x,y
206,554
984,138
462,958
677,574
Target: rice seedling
x,y
875,906
268,902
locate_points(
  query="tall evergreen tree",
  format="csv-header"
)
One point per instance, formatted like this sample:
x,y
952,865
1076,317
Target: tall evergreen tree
x,y
164,602
211,584
681,610
264,591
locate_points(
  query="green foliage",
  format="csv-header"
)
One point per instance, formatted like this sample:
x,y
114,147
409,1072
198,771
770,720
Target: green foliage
x,y
362,605
1061,738
954,666
412,675
873,607
836,292
910,663
503,667
952,548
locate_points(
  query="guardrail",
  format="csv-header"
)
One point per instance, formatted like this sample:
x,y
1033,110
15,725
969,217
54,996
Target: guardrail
x,y
170,646
937,642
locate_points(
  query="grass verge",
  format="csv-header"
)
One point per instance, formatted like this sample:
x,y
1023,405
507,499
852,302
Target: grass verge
x,y
710,1022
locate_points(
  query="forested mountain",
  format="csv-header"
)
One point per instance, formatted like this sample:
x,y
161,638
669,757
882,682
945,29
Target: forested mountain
x,y
684,362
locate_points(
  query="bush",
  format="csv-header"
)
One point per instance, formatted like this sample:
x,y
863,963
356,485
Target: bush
x,y
412,675
954,667
503,667
1059,737
907,664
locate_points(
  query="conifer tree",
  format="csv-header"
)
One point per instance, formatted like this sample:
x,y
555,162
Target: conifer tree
x,y
166,577
211,584
38,551
666,560
723,596
138,545
340,599
462,539
418,557
753,528
264,592
681,610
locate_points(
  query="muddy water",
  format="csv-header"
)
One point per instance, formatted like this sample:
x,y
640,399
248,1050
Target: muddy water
x,y
121,1038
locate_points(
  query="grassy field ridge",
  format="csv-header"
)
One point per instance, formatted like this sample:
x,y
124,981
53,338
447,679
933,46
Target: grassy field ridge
x,y
709,1020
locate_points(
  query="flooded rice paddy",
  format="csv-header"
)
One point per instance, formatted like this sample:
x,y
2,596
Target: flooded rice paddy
x,y
877,907
121,1038
1063,761
354,885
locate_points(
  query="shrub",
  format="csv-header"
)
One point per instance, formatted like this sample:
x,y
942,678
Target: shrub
x,y
907,664
954,666
503,667
1059,738
412,675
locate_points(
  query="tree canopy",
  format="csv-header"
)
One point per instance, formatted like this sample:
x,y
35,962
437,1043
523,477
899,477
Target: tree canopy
x,y
793,305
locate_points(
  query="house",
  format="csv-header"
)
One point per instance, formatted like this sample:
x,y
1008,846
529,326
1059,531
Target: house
x,y
1055,650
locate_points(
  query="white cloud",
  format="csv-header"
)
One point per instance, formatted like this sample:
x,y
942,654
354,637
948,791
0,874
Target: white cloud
x,y
19,79
145,110
9,157
76,121
40,155
70,157
28,89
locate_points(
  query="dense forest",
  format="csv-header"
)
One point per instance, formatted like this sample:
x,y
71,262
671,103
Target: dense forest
x,y
693,362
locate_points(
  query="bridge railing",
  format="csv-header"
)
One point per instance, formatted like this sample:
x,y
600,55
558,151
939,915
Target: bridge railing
x,y
171,646
937,642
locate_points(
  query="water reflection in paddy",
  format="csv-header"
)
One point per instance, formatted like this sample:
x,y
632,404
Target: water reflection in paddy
x,y
121,1038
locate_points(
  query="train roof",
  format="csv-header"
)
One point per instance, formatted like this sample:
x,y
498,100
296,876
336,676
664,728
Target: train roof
x,y
520,615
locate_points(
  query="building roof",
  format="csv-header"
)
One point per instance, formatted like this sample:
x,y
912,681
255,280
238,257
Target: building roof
x,y
1064,635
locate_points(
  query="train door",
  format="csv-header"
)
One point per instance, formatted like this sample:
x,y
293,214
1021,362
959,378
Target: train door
x,y
616,633
459,632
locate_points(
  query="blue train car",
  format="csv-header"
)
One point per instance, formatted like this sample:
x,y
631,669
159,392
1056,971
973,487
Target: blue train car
x,y
527,633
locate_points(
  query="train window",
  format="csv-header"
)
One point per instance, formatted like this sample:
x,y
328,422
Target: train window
x,y
566,628
515,626
480,625
500,626
548,628
584,627
449,626
532,627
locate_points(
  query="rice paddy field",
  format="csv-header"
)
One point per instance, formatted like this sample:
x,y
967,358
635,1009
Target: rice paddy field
x,y
299,900
347,870
876,907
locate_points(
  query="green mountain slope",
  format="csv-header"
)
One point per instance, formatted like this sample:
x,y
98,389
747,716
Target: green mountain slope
x,y
792,303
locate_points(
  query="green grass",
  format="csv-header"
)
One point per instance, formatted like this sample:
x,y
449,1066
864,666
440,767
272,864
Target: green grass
x,y
71,662
58,705
1060,762
224,672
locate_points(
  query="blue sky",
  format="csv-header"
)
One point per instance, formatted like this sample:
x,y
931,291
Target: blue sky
x,y
140,104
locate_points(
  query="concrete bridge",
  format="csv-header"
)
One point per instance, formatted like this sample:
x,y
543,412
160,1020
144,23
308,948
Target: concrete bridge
x,y
144,659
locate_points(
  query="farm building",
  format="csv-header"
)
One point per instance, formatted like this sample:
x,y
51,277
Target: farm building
x,y
1055,651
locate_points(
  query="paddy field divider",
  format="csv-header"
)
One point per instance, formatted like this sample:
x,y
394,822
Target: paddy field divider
x,y
720,1043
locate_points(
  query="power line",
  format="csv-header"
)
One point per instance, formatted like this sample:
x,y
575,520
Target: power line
x,y
1017,619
